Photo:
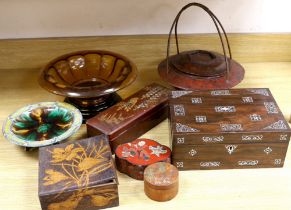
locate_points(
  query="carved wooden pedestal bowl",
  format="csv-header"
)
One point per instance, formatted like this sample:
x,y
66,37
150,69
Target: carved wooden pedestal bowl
x,y
88,79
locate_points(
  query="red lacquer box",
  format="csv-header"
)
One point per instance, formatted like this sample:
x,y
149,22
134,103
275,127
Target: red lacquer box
x,y
132,158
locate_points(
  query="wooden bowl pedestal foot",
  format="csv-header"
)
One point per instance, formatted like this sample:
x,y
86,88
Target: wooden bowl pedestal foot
x,y
89,107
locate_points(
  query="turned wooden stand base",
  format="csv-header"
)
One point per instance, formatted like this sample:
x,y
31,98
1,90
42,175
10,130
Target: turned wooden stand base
x,y
89,107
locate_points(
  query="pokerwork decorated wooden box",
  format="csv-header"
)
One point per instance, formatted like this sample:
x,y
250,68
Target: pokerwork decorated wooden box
x,y
134,116
78,175
237,128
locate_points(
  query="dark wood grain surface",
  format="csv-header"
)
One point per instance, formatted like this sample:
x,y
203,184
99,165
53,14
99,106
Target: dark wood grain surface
x,y
237,128
77,175
132,117
221,156
240,111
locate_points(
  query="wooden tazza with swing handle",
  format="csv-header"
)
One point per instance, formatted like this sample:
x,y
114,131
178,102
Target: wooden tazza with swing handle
x,y
201,69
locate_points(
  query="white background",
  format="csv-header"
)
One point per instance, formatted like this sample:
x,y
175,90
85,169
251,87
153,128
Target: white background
x,y
61,18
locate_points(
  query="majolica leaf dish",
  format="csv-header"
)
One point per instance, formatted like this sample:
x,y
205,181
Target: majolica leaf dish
x,y
42,124
89,79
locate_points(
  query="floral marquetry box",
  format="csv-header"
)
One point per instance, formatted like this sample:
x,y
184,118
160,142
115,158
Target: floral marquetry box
x,y
237,128
78,175
132,117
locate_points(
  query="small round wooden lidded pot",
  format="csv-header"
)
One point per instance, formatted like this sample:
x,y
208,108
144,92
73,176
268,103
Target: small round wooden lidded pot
x,y
132,158
161,181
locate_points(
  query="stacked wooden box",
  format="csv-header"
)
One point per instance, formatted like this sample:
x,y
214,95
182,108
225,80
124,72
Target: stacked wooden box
x,y
239,128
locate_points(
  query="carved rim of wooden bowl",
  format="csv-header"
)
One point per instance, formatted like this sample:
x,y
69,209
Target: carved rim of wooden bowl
x,y
86,74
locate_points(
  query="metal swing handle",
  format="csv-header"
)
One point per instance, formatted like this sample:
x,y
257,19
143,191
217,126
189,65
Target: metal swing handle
x,y
217,24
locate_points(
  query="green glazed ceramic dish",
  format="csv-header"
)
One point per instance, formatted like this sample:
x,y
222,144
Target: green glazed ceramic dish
x,y
42,124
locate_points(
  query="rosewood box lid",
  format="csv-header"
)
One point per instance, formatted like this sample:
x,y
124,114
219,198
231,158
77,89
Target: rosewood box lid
x,y
76,165
236,115
118,118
